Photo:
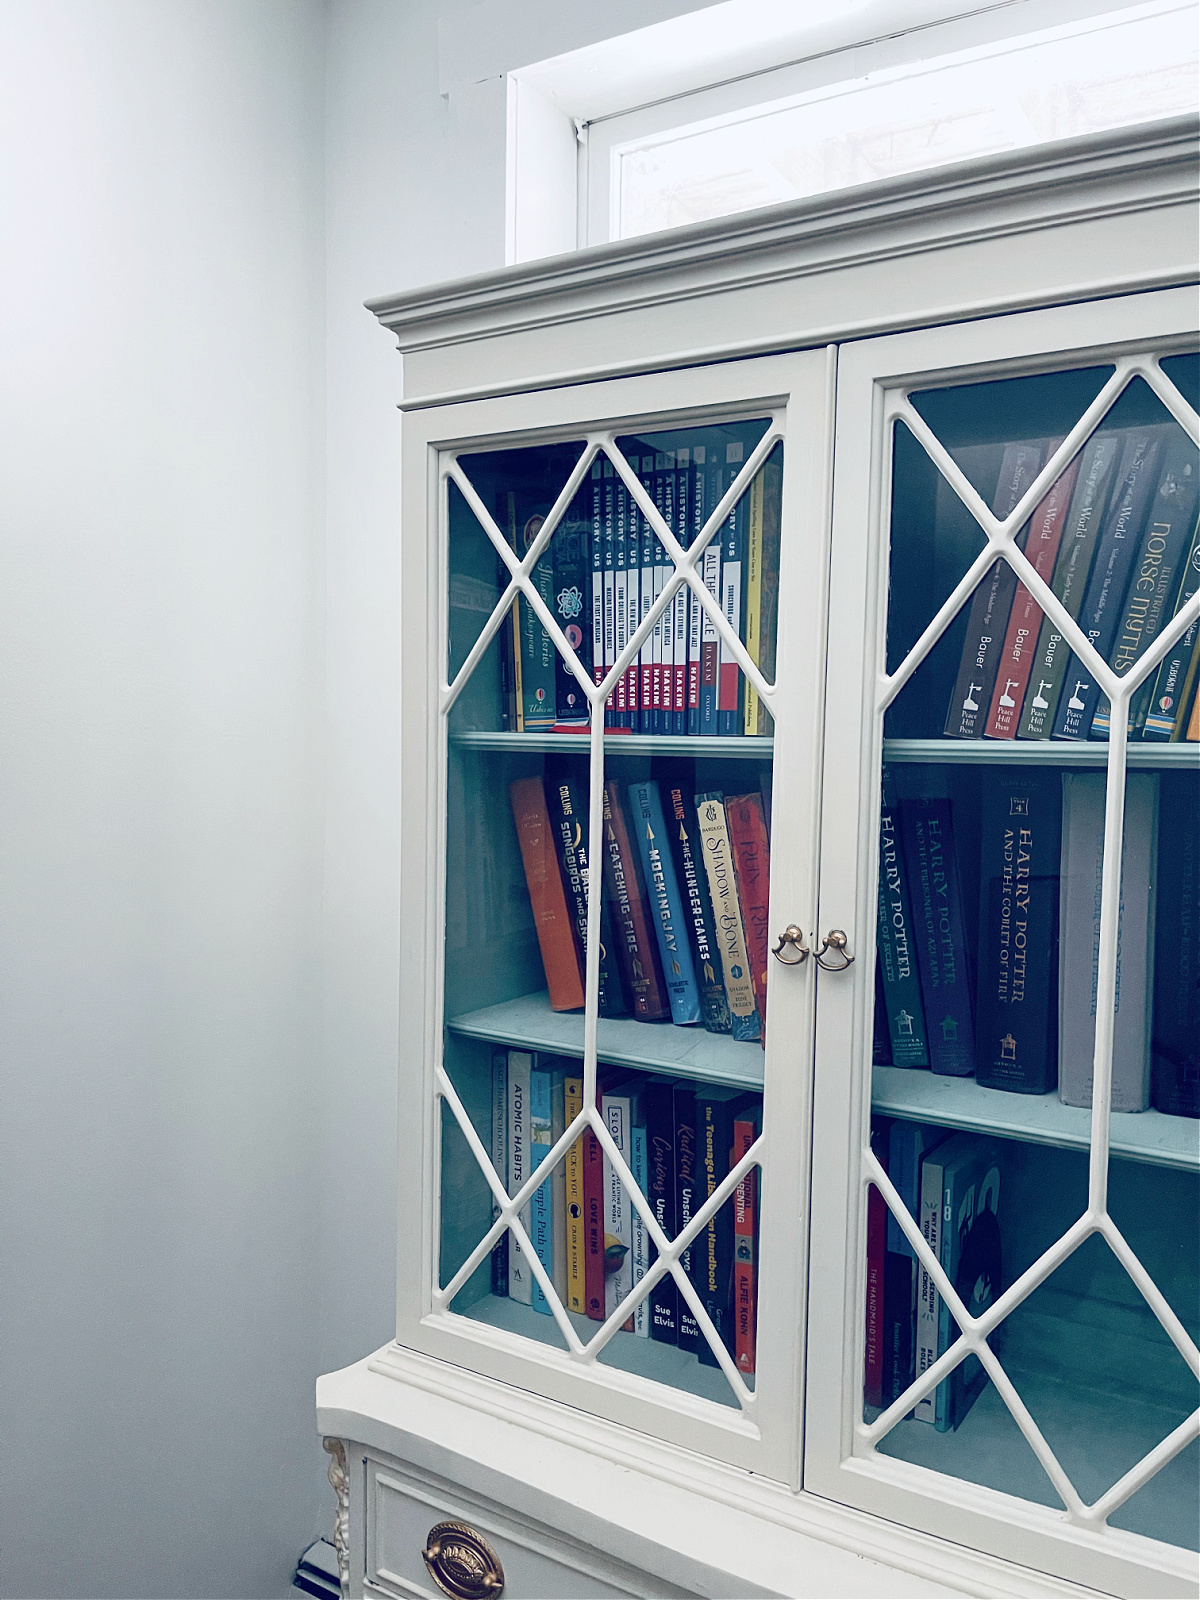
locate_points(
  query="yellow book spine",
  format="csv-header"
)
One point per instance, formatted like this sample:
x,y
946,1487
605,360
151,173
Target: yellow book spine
x,y
576,1296
754,561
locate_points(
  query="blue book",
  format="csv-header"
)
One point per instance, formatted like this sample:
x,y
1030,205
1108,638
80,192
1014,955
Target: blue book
x,y
971,1255
939,930
646,816
908,1143
541,1202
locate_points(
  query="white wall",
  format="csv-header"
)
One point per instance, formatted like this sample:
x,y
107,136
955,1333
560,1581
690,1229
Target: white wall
x,y
160,636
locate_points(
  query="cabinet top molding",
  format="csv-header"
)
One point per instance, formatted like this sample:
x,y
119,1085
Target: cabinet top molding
x,y
1151,170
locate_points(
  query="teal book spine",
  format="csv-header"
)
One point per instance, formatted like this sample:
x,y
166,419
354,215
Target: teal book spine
x,y
666,903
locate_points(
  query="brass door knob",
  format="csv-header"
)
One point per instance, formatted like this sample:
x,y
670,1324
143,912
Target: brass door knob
x,y
792,940
836,941
462,1563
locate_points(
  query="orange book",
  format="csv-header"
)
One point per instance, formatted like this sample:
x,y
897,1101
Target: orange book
x,y
752,869
549,902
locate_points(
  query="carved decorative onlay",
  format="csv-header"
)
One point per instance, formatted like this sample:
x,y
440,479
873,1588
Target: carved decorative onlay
x,y
339,1480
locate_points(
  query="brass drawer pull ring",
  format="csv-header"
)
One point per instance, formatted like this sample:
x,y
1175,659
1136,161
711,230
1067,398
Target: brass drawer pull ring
x,y
462,1563
834,940
793,938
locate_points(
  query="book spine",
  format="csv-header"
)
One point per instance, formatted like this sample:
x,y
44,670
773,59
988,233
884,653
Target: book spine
x,y
576,1297
700,509
1116,552
1165,702
640,1249
727,915
646,580
752,873
571,554
593,1226
660,672
1016,1033
596,497
729,689
633,607
897,943
558,1183
873,1361
1097,465
710,639
621,597
745,1254
618,1231
1082,859
1193,725
897,1325
610,587
928,1299
990,606
541,1202
1025,617
539,854
714,1127
570,822
686,1176
538,655
666,905
693,882
679,606
637,947
659,1190
520,1066
754,560
769,604
499,1155
927,834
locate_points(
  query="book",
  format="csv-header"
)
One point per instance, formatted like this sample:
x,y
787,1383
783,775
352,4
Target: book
x,y
555,931
1098,463
541,1202
762,586
664,500
927,837
618,1221
733,549
658,1102
991,603
908,1144
897,945
679,605
621,629
610,585
677,784
1025,616
1193,726
1079,939
1159,709
881,1043
576,1296
716,1109
688,1336
710,571
569,819
640,1246
1117,550
633,606
571,559
928,1298
558,1183
746,1128
727,915
971,1254
874,1348
1016,1013
499,1155
538,657
1163,548
752,871
636,945
1175,1036
596,610
593,1225
646,816
649,541
520,1067
699,508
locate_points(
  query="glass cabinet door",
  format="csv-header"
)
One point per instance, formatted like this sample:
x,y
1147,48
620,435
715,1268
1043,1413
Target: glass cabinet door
x,y
1023,1167
609,872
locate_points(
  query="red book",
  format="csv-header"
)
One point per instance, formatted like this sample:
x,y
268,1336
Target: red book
x,y
636,941
539,852
752,868
1025,618
745,1263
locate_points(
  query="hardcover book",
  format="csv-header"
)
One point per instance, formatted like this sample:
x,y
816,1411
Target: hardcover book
x,y
646,815
727,914
677,785
906,1281
927,834
658,1101
1162,710
746,1128
710,639
649,541
595,492
687,1177
897,941
555,932
571,560
874,1358
640,1249
1016,1029
716,1110
538,656
752,870
970,1253
593,1226
610,585
499,1155
700,508
633,607
1079,920
1175,1073
541,1202
618,1217
630,915
729,682
569,819
762,586
576,1296
520,1066
679,605
621,628
987,622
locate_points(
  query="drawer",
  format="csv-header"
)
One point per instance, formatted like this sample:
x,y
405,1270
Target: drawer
x,y
539,1563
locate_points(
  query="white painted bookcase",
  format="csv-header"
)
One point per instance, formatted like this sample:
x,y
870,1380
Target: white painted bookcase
x,y
1035,294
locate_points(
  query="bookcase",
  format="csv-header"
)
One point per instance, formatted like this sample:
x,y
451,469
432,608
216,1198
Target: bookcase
x,y
799,1077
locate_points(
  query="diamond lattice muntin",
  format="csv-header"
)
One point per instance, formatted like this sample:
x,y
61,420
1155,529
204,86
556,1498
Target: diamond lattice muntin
x,y
1063,1199
510,517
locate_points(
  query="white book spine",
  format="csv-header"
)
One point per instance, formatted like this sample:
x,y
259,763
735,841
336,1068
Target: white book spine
x,y
618,1231
520,1064
928,1299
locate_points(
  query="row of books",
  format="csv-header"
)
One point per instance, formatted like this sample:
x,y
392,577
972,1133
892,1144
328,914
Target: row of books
x,y
680,1142
683,930
1117,540
951,1185
1008,992
601,575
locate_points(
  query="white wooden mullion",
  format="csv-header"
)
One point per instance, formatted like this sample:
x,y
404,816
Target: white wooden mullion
x,y
1106,975
1165,1451
1148,367
1033,1435
1153,1296
889,687
1082,647
449,693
